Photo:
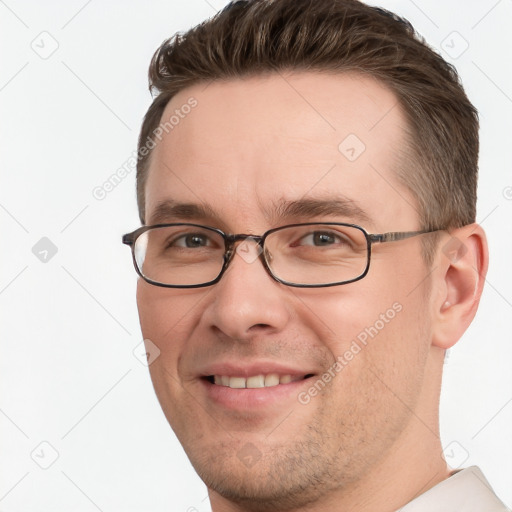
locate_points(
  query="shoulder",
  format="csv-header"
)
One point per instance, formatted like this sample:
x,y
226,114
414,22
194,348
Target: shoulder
x,y
466,490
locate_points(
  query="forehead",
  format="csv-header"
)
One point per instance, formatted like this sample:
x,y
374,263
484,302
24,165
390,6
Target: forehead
x,y
241,146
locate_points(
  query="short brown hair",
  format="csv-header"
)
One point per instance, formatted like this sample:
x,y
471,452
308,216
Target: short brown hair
x,y
251,37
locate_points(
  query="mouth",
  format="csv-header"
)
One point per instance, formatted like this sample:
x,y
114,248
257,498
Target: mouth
x,y
257,387
257,394
268,380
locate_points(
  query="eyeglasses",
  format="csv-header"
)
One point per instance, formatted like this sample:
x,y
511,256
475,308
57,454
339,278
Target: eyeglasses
x,y
309,255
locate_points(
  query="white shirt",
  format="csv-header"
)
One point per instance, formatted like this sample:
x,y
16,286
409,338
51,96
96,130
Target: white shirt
x,y
465,491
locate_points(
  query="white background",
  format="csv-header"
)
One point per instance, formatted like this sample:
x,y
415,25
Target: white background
x,y
69,376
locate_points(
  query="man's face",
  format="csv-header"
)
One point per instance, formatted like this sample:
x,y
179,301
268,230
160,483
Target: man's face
x,y
246,147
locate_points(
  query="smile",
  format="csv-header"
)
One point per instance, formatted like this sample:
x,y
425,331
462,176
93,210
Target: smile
x,y
254,381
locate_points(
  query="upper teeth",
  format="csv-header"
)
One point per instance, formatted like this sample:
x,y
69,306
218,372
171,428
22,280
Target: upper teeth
x,y
256,381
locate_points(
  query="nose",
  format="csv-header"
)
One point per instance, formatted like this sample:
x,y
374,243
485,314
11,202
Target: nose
x,y
247,301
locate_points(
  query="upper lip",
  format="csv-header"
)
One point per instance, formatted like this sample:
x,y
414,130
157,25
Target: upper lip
x,y
239,369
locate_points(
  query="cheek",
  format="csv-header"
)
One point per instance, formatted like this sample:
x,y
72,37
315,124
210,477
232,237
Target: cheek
x,y
167,317
380,348
361,327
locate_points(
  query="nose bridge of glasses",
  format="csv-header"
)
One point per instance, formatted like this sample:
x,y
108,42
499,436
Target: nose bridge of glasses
x,y
249,250
235,238
231,241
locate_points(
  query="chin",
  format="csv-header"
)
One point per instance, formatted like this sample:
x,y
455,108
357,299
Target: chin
x,y
264,479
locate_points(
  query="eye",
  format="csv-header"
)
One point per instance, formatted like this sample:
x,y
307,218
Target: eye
x,y
322,239
190,241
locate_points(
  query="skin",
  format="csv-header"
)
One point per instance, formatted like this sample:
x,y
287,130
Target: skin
x,y
370,439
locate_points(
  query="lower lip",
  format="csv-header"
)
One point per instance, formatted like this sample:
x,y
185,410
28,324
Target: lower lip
x,y
254,398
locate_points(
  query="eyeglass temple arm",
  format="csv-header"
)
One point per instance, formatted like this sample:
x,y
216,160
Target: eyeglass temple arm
x,y
397,235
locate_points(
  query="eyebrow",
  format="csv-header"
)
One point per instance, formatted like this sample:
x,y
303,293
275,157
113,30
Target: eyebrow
x,y
307,208
170,210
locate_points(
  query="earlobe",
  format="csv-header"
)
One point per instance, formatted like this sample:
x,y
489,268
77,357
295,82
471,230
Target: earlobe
x,y
461,266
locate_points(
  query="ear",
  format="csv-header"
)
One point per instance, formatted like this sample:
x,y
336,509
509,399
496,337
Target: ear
x,y
460,267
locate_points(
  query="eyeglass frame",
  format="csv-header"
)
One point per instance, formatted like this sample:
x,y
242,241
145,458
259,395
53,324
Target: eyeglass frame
x,y
230,240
